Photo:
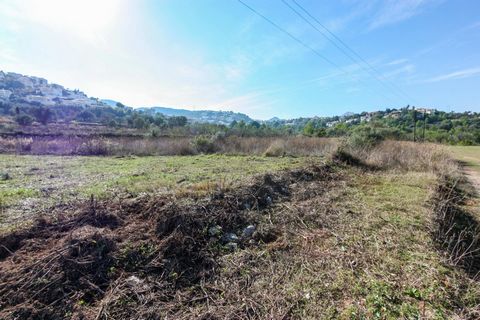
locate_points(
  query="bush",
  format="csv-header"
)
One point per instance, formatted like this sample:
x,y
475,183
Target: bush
x,y
276,149
204,144
85,116
99,147
155,132
5,176
366,139
24,145
24,119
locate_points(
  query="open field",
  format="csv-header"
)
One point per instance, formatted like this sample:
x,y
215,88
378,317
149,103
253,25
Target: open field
x,y
35,183
470,159
469,154
199,237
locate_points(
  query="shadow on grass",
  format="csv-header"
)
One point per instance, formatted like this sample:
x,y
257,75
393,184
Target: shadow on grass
x,y
456,230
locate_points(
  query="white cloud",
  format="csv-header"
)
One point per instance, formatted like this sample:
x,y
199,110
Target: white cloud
x,y
394,11
396,62
89,20
404,69
461,74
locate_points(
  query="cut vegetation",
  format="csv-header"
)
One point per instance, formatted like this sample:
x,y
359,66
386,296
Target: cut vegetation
x,y
33,184
356,237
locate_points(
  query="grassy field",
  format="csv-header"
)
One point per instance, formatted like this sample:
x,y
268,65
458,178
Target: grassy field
x,y
377,260
332,241
468,154
32,183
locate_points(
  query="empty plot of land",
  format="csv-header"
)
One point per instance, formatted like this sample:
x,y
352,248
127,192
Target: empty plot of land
x,y
331,243
470,156
35,183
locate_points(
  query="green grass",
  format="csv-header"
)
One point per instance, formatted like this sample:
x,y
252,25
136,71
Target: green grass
x,y
468,154
40,181
377,262
401,274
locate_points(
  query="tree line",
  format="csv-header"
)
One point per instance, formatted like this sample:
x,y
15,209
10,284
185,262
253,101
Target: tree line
x,y
399,124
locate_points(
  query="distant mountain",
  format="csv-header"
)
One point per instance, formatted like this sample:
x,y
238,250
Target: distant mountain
x,y
208,116
205,116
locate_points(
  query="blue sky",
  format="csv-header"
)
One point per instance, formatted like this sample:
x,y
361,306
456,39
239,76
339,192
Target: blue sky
x,y
217,54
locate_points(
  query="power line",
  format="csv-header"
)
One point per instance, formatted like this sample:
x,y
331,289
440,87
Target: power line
x,y
290,35
302,43
383,80
337,46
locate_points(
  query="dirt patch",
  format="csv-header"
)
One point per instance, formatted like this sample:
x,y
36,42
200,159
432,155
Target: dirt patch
x,y
474,177
138,256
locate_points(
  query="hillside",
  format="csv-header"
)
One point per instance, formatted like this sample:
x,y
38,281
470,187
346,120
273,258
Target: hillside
x,y
30,101
19,89
208,116
21,94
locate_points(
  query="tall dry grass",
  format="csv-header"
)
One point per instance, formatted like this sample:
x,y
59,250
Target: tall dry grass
x,y
406,155
164,146
274,146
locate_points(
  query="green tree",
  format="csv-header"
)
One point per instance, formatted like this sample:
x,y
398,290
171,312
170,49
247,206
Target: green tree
x,y
179,121
44,115
139,123
309,129
85,116
24,119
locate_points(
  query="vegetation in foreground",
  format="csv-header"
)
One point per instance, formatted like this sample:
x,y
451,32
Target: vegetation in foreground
x,y
356,237
32,184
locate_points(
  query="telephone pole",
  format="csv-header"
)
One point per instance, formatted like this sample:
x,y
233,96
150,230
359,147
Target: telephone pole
x,y
424,124
414,125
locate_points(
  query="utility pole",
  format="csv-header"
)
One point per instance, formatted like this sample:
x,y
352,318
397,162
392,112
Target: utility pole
x,y
424,124
414,125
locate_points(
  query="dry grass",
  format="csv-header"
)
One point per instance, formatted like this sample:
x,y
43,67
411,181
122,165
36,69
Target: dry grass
x,y
291,146
331,242
407,156
271,146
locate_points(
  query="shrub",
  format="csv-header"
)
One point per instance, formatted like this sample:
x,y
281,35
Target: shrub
x,y
139,123
24,119
276,149
155,132
204,144
7,145
5,176
219,136
99,147
85,116
364,139
25,144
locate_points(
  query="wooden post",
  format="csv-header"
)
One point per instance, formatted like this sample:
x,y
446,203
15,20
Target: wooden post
x,y
424,124
414,125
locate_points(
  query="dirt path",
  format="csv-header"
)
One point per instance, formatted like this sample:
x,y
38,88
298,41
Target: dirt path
x,y
474,177
470,157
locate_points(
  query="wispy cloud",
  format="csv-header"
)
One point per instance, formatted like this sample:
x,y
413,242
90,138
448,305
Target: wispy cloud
x,y
396,62
394,11
473,26
404,69
461,74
